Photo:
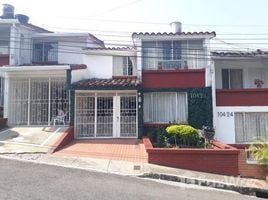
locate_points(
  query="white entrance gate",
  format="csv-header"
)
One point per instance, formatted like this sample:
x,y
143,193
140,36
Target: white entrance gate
x,y
105,115
35,101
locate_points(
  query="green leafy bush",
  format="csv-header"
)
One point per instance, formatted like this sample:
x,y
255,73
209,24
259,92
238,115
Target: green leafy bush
x,y
161,138
185,135
259,151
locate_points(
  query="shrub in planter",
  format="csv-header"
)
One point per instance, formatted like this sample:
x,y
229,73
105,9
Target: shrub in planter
x,y
259,150
161,138
185,135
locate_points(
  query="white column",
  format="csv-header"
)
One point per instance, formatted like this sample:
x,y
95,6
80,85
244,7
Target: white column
x,y
139,59
213,88
95,125
29,100
6,95
49,100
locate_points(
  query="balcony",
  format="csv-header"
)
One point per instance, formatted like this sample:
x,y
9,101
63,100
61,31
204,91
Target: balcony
x,y
176,78
242,97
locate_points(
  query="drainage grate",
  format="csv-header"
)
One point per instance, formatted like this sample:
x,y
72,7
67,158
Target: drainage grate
x,y
137,167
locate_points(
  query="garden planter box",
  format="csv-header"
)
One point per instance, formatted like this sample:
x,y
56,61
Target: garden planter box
x,y
222,159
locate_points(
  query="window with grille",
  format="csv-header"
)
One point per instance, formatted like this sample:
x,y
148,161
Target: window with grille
x,y
165,107
249,125
45,52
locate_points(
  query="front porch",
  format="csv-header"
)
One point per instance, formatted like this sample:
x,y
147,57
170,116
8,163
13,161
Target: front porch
x,y
105,108
34,95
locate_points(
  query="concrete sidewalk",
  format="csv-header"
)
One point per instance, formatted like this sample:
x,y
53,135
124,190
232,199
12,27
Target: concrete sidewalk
x,y
145,170
29,139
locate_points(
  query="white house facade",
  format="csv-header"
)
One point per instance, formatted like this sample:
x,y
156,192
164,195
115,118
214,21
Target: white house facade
x,y
240,96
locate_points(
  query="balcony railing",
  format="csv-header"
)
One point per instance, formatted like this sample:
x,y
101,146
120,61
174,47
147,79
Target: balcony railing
x,y
156,64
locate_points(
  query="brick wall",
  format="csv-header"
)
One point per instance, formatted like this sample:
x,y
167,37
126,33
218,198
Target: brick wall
x,y
221,161
66,138
173,78
249,170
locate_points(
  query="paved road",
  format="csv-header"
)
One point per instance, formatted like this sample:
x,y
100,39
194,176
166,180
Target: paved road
x,y
24,180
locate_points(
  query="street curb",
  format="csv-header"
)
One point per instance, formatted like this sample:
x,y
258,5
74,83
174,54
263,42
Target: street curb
x,y
208,183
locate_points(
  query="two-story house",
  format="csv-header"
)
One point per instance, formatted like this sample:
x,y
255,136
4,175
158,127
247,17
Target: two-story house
x,y
175,77
240,96
34,68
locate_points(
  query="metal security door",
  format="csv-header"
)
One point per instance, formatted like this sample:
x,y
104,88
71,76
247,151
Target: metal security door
x,y
128,116
85,115
39,100
18,101
105,116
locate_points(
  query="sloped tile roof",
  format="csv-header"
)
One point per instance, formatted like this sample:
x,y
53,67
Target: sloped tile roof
x,y
240,53
112,48
107,83
174,34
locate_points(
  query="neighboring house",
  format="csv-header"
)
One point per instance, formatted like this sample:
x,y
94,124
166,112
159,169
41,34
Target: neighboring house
x,y
105,103
240,96
34,76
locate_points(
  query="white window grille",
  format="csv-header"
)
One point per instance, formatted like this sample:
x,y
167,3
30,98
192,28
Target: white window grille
x,y
85,116
249,125
36,101
128,116
165,107
105,115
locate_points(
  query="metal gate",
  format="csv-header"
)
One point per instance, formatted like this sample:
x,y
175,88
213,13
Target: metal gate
x,y
105,115
128,116
35,101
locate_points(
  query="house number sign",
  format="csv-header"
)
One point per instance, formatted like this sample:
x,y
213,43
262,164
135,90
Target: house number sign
x,y
198,95
225,114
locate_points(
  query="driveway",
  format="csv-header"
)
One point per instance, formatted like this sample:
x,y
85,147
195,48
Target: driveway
x,y
113,149
29,139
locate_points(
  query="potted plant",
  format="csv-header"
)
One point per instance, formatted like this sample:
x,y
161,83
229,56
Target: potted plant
x,y
258,83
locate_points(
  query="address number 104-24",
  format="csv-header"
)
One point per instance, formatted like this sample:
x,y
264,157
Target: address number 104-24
x,y
225,114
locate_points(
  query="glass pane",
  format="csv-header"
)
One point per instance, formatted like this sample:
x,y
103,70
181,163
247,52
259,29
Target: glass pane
x,y
149,55
176,50
167,50
225,78
236,78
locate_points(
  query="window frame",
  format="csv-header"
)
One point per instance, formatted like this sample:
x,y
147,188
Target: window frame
x,y
228,72
44,53
153,106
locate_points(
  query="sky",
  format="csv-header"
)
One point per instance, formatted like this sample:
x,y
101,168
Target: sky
x,y
239,24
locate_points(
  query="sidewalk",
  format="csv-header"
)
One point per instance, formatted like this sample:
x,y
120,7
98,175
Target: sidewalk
x,y
145,170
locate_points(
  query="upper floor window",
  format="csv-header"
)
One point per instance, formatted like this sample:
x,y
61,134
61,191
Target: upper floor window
x,y
45,52
123,66
232,78
172,54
